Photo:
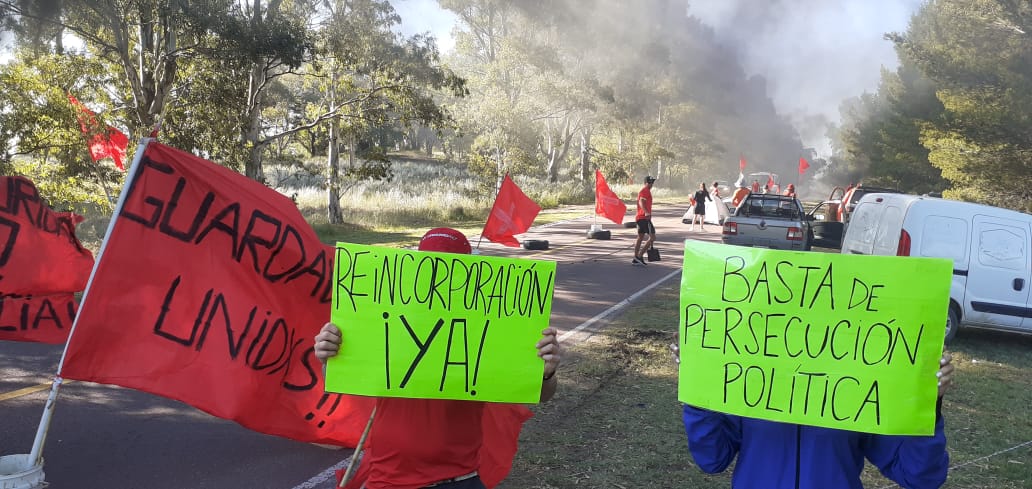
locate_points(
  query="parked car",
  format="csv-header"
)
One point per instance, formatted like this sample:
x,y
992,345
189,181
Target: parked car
x,y
826,229
853,195
769,221
989,246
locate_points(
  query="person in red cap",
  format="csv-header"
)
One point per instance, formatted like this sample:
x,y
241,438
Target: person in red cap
x,y
446,454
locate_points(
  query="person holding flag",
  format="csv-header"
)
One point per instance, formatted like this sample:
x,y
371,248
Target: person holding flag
x,y
417,443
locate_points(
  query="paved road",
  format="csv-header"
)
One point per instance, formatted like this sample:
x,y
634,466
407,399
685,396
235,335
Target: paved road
x,y
105,437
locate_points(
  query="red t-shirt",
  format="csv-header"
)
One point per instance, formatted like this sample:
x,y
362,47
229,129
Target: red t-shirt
x,y
645,193
417,442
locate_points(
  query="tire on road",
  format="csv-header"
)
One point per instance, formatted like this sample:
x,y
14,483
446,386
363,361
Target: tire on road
x,y
535,244
599,234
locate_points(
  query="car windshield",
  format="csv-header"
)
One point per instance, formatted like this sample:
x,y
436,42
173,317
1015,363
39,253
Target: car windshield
x,y
759,206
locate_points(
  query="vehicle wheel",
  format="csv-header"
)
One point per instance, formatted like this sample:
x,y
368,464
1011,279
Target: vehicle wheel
x,y
599,234
535,244
952,322
630,224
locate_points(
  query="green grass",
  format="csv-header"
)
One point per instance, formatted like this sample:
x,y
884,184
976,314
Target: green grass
x,y
616,420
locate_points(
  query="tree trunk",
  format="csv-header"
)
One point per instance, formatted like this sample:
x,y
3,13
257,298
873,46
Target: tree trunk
x,y
333,213
553,166
253,166
585,156
500,166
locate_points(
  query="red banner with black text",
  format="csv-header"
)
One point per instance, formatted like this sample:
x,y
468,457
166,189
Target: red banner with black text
x,y
42,264
210,290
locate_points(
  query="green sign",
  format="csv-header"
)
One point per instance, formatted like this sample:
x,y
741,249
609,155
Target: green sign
x,y
439,325
849,342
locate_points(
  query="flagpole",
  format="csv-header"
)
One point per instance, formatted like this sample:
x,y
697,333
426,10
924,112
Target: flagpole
x,y
498,189
353,463
36,454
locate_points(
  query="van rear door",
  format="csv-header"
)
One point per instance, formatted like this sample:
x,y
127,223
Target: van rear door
x,y
999,273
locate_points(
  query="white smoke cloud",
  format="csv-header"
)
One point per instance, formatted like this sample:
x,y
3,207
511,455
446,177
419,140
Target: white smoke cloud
x,y
813,53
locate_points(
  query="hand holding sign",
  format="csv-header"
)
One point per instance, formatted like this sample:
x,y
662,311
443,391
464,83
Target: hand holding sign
x,y
945,373
838,341
328,341
441,325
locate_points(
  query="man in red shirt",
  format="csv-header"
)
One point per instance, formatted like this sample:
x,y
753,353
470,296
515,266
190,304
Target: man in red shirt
x,y
446,452
644,220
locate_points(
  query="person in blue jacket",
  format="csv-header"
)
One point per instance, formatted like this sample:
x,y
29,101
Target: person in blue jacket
x,y
774,455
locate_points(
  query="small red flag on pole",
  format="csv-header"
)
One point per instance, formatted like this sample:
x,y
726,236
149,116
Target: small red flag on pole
x,y
803,165
103,143
741,164
607,203
512,214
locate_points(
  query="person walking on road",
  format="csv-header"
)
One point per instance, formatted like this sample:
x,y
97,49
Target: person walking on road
x,y
644,220
700,198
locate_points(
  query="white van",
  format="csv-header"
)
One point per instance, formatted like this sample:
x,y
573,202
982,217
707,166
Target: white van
x,y
992,265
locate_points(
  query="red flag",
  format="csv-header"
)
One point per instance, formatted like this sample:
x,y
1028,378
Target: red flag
x,y
41,264
741,164
103,143
501,426
209,291
512,214
607,203
803,165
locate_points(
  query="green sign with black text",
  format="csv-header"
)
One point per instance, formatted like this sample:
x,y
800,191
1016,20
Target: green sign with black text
x,y
841,341
439,325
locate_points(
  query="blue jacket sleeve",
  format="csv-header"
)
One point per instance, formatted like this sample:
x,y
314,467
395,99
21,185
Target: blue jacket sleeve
x,y
913,462
713,438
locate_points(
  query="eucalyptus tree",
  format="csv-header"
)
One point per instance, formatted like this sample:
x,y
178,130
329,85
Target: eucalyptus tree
x,y
372,79
142,40
39,134
977,54
202,66
881,133
497,116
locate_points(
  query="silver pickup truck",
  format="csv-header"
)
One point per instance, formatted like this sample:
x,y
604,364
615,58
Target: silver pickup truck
x,y
768,221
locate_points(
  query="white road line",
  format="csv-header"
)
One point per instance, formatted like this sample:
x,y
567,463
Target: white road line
x,y
329,474
618,306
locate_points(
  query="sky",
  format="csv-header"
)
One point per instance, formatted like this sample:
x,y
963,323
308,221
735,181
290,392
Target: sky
x,y
421,16
813,53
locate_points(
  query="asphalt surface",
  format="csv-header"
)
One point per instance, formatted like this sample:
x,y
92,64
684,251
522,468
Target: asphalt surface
x,y
107,437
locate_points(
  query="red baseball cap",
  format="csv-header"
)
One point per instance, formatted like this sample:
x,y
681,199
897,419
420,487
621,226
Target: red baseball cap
x,y
445,240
